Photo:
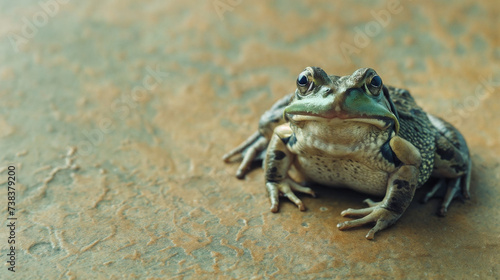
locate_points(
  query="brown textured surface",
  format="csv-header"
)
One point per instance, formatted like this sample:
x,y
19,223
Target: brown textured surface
x,y
120,183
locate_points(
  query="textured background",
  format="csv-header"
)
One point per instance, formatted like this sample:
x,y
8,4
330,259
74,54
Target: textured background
x,y
116,115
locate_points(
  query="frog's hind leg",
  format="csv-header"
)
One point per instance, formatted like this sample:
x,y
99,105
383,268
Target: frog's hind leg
x,y
253,149
452,165
242,147
449,189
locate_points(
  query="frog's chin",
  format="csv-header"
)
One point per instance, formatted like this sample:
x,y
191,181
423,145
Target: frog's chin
x,y
381,123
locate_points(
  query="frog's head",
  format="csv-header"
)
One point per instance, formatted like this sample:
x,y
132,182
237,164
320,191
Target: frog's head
x,y
360,97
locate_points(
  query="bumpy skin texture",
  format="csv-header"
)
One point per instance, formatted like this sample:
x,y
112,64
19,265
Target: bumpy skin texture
x,y
355,132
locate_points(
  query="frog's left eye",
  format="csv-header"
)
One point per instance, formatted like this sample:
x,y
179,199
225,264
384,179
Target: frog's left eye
x,y
373,87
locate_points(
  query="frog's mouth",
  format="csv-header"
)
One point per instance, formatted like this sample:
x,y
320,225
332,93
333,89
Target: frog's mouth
x,y
379,122
355,106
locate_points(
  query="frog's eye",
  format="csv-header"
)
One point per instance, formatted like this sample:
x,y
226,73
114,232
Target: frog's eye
x,y
374,86
305,82
376,81
302,80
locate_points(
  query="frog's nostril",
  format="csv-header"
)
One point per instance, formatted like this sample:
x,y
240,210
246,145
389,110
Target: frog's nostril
x,y
327,92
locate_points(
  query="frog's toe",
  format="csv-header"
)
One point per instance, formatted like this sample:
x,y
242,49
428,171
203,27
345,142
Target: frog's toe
x,y
273,191
356,212
299,188
251,155
382,218
380,225
370,202
250,151
243,146
432,193
355,223
452,192
448,189
286,188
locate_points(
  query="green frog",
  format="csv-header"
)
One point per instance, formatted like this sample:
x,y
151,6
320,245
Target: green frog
x,y
355,132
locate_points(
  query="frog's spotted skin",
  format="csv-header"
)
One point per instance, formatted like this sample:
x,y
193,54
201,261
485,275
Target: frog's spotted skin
x,y
416,128
354,132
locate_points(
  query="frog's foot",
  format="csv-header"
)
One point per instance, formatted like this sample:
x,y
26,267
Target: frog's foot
x,y
382,218
448,189
286,188
250,150
371,203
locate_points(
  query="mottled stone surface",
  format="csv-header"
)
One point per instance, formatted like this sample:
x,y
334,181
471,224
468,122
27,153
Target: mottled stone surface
x,y
116,115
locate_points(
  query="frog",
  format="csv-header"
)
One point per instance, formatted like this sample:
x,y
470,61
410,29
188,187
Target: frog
x,y
356,132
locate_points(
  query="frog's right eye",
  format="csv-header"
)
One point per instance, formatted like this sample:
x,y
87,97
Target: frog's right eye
x,y
305,82
302,80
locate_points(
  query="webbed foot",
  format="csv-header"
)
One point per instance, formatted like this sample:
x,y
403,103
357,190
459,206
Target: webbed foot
x,y
286,188
448,189
375,213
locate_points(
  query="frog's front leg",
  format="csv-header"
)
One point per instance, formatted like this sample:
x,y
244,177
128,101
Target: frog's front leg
x,y
277,163
400,190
